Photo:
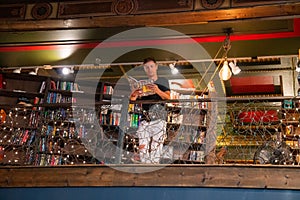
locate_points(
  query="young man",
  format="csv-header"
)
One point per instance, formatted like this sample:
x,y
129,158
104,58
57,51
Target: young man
x,y
152,129
160,87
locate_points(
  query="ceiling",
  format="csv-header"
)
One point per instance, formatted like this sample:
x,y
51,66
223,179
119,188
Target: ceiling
x,y
250,38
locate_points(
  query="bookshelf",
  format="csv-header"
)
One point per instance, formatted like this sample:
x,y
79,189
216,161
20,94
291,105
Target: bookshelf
x,y
59,131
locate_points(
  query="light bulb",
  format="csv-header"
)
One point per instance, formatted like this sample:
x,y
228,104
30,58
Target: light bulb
x,y
173,69
66,70
225,72
235,69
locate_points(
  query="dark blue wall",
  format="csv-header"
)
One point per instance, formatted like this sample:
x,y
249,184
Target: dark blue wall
x,y
145,193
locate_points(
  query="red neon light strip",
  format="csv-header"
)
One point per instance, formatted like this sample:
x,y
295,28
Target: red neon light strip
x,y
295,33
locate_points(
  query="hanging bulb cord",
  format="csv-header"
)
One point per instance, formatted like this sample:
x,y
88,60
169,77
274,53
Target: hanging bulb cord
x,y
226,47
227,44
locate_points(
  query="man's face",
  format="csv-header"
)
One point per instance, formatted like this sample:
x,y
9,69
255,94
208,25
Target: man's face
x,y
150,69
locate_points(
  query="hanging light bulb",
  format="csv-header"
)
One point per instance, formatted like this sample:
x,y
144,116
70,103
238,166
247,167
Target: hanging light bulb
x,y
225,72
173,69
66,70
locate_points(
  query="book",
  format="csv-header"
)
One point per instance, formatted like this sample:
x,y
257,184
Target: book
x,y
43,87
52,85
140,85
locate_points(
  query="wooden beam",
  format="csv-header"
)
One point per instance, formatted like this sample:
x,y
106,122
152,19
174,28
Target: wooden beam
x,y
180,18
229,176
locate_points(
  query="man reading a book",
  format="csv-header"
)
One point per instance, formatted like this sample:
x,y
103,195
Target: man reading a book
x,y
152,129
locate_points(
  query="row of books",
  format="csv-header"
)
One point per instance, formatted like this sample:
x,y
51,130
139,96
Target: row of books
x,y
58,114
48,160
107,89
53,160
65,85
54,97
44,159
134,120
21,118
112,118
69,131
18,137
34,119
46,145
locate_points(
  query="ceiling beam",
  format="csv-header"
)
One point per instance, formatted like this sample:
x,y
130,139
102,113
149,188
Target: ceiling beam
x,y
288,10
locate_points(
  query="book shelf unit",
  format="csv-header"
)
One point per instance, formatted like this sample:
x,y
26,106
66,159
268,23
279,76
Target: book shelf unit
x,y
57,130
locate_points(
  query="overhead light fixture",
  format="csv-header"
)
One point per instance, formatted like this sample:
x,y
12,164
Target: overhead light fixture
x,y
174,70
225,72
34,72
17,71
67,70
234,68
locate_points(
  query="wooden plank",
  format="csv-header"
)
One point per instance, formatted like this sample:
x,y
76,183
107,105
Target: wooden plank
x,y
257,2
160,19
12,11
230,176
75,9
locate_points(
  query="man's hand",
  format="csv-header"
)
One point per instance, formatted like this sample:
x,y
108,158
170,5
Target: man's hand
x,y
135,94
153,87
156,90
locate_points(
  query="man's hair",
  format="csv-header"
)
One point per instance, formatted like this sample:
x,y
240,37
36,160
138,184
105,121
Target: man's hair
x,y
149,59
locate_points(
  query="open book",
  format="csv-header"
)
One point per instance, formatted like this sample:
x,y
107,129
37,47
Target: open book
x,y
140,85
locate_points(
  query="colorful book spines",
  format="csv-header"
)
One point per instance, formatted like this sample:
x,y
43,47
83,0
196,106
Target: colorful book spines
x,y
55,97
134,120
48,160
21,137
64,85
112,118
107,89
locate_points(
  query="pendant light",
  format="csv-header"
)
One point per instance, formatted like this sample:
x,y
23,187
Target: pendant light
x,y
67,70
174,70
225,72
234,68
